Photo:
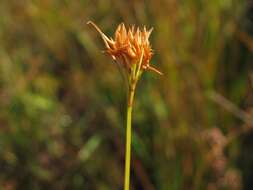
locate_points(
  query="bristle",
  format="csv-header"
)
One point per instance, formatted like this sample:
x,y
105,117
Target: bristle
x,y
149,32
104,37
154,69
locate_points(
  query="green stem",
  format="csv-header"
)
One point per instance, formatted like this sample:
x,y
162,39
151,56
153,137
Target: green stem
x,y
129,136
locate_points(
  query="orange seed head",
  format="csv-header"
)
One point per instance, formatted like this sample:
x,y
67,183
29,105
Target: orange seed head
x,y
129,46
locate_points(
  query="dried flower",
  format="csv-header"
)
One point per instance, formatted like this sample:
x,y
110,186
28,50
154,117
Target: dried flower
x,y
129,47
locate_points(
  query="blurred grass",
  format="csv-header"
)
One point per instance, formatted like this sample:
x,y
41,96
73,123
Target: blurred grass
x,y
62,101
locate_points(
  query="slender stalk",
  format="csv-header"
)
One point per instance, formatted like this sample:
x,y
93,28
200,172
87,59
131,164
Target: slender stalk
x,y
129,136
129,48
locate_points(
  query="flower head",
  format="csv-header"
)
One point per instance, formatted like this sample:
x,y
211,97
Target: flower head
x,y
129,47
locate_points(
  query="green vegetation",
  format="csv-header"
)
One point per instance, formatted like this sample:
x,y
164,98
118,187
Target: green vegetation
x,y
62,102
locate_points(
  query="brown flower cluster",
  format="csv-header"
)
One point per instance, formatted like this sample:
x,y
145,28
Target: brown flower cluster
x,y
129,46
222,176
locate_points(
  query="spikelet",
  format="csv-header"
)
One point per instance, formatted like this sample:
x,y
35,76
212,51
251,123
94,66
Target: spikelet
x,y
129,46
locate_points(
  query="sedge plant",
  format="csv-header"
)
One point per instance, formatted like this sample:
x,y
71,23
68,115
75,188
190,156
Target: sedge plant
x,y
130,49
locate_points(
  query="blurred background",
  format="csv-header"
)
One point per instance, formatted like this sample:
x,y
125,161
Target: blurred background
x,y
62,102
